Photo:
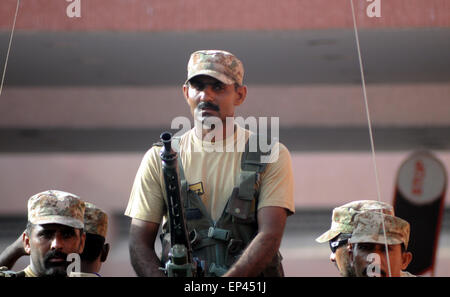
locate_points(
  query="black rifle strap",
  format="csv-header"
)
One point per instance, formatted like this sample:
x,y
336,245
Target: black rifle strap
x,y
183,181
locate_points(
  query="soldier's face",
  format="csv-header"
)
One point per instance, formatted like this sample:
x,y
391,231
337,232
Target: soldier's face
x,y
49,245
366,257
208,97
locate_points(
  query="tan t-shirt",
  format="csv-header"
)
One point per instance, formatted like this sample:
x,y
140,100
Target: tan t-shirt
x,y
406,274
29,272
213,174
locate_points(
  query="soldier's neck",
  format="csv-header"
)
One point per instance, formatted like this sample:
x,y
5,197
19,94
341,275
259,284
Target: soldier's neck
x,y
213,135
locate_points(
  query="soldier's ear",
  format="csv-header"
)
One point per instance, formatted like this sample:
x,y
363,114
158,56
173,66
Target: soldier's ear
x,y
406,259
186,91
241,95
105,252
26,243
82,241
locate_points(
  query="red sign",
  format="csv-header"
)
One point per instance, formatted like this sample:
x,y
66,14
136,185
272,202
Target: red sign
x,y
419,199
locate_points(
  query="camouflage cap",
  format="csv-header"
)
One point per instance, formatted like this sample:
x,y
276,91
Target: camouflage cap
x,y
56,207
369,228
95,220
219,64
342,220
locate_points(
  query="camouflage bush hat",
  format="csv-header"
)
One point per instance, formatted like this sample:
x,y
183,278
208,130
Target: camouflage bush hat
x,y
95,220
56,207
369,228
342,220
219,64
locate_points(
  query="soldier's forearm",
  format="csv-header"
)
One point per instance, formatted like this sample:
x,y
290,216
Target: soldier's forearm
x,y
256,256
10,255
262,249
145,261
142,253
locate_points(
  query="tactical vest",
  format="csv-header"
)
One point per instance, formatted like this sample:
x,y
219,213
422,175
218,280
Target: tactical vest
x,y
218,245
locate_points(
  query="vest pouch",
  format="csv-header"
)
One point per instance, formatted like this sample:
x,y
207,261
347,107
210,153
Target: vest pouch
x,y
213,253
240,207
220,234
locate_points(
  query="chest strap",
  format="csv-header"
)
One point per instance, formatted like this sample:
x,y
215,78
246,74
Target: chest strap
x,y
183,181
240,203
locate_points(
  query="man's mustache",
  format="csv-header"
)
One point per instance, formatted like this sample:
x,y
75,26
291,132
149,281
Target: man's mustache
x,y
207,105
54,254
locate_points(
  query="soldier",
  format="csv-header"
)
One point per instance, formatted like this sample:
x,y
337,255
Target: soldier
x,y
237,208
368,255
54,230
95,250
342,225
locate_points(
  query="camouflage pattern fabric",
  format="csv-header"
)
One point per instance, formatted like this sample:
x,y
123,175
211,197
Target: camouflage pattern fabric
x,y
95,220
369,228
56,207
342,220
221,65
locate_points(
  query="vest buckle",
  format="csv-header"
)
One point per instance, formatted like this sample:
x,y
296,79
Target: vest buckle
x,y
217,233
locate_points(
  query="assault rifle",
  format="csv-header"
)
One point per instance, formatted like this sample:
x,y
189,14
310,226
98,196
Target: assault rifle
x,y
180,263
